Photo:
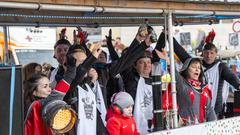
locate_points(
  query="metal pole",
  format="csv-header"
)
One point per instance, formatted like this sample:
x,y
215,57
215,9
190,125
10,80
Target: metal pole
x,y
157,96
6,56
172,68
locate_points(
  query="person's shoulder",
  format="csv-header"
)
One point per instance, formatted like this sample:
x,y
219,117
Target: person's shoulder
x,y
114,120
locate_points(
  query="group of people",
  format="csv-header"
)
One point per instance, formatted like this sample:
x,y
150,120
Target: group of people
x,y
116,98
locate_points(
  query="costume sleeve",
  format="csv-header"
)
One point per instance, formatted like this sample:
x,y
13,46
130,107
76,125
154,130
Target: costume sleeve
x,y
179,80
127,60
229,76
82,70
159,46
180,51
88,52
62,86
113,126
133,45
112,52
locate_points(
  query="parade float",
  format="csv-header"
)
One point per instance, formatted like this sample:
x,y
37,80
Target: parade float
x,y
111,13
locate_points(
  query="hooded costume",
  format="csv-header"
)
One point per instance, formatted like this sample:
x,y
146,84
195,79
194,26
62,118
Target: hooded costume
x,y
216,80
194,104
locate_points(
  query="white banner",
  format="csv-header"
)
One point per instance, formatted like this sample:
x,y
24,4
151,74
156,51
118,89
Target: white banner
x,y
229,126
33,37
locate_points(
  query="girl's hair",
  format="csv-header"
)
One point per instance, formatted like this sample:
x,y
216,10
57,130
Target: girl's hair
x,y
185,73
30,69
29,86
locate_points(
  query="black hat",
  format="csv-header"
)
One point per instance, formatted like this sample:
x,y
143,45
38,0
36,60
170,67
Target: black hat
x,y
146,54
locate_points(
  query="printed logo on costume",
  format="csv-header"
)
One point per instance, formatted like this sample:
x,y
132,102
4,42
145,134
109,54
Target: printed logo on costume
x,y
147,99
88,107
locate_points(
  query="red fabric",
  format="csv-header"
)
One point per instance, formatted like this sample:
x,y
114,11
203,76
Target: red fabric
x,y
109,113
203,101
191,95
236,110
164,100
62,86
210,37
195,83
120,125
34,124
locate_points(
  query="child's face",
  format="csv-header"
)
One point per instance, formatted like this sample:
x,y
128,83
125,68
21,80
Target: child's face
x,y
127,112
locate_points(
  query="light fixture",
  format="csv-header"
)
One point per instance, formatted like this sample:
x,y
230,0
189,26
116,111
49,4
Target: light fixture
x,y
175,23
180,23
59,116
210,22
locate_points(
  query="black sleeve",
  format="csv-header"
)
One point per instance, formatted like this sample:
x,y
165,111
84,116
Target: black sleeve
x,y
229,76
82,70
112,52
159,46
128,59
180,51
88,52
133,45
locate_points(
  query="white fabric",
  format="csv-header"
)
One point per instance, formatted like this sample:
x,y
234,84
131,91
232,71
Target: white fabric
x,y
53,74
87,112
225,91
100,101
212,75
143,106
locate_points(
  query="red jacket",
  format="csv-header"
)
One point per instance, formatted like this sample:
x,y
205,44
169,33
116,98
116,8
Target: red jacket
x,y
120,125
34,124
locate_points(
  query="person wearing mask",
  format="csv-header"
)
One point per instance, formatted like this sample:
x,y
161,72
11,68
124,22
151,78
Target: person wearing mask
x,y
122,122
193,94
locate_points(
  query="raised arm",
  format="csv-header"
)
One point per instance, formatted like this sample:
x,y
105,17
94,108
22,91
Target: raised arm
x,y
128,59
113,53
178,49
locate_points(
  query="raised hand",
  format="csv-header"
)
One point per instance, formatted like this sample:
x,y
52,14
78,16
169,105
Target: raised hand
x,y
109,37
142,33
96,50
162,55
71,61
